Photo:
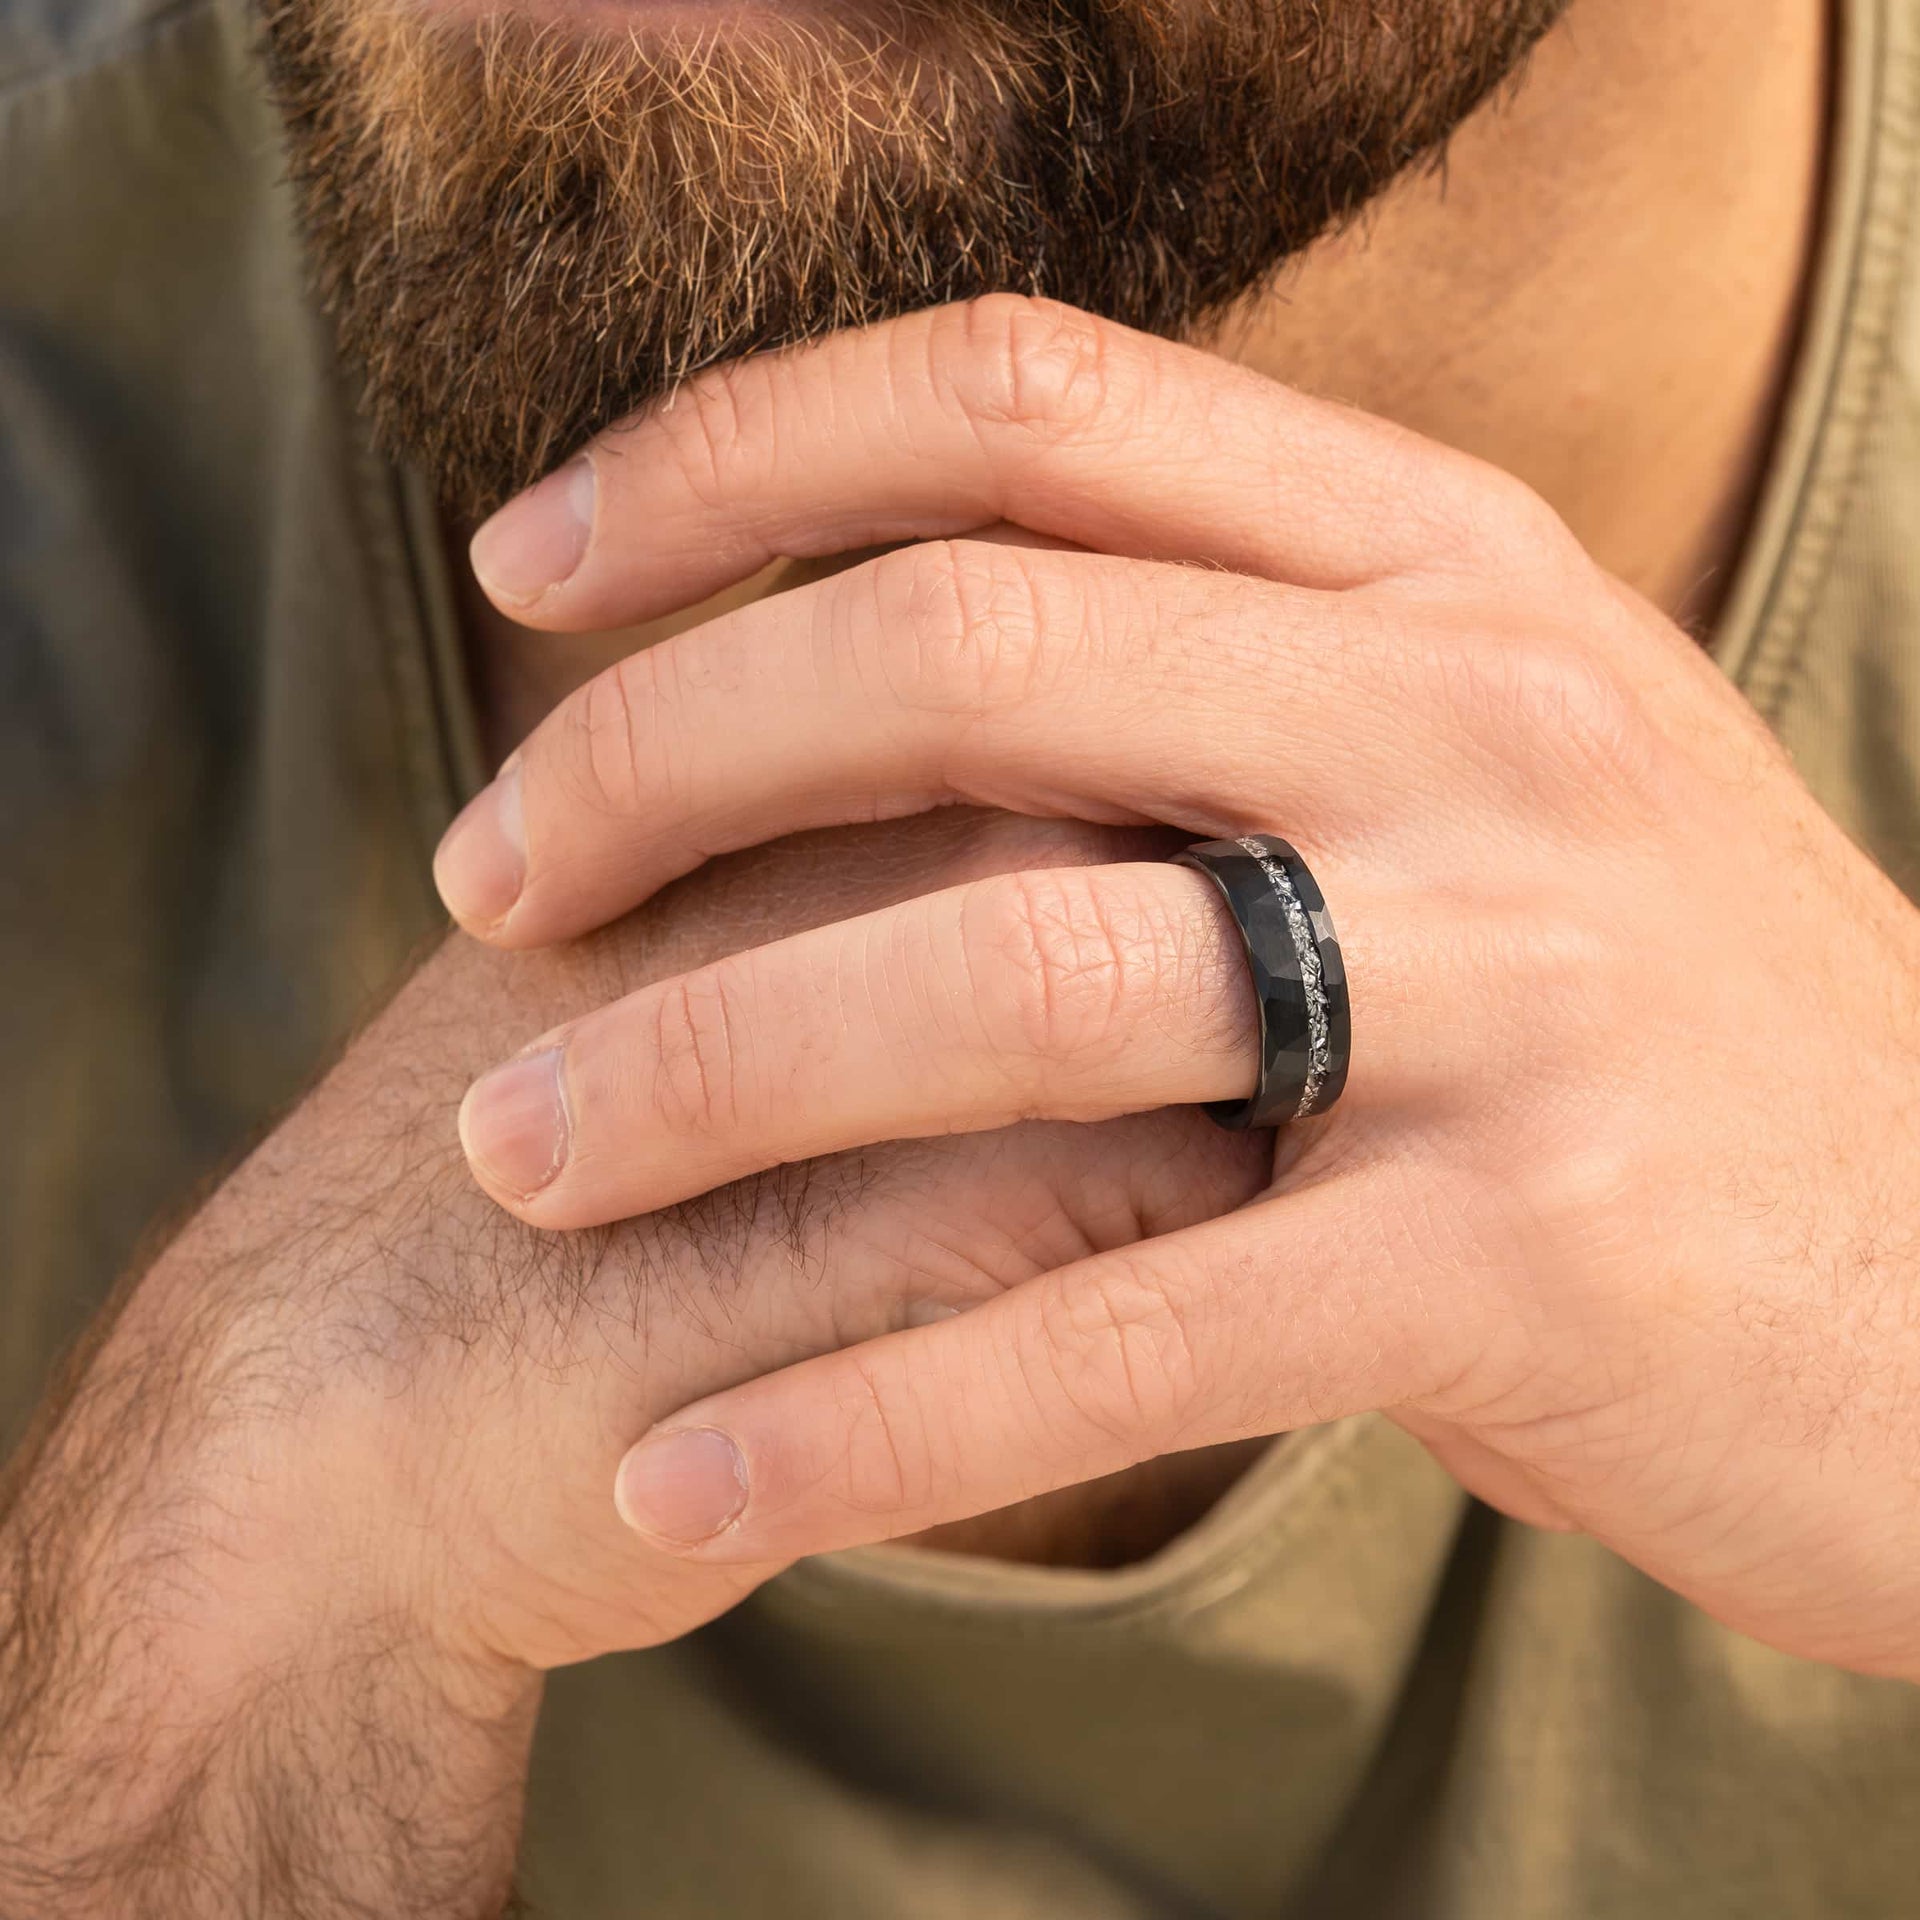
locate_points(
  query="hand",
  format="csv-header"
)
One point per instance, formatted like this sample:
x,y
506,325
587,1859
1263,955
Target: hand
x,y
276,1581
1619,1212
527,1362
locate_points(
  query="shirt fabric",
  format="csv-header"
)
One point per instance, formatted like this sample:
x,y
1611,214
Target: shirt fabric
x,y
232,725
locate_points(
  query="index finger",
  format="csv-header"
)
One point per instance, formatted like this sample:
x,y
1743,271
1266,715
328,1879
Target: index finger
x,y
946,421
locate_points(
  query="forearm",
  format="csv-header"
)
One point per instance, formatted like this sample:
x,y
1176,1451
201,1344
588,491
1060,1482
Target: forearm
x,y
328,1775
215,1695
224,1686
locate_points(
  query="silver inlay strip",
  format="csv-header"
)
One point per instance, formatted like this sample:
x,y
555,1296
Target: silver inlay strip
x,y
1319,1048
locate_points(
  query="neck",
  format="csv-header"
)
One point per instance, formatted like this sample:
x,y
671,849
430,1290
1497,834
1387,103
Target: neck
x,y
1601,291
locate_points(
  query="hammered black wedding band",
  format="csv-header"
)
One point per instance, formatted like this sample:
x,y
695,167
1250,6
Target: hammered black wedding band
x,y
1299,978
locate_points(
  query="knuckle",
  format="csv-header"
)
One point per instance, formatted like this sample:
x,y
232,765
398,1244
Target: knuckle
x,y
1115,1351
608,751
1485,516
1397,478
1067,964
961,627
696,1055
1035,365
706,433
1582,1192
1559,715
1515,521
1475,521
890,1470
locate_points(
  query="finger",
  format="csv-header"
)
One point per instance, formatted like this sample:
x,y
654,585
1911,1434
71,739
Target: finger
x,y
1077,994
972,672
943,421
1294,1311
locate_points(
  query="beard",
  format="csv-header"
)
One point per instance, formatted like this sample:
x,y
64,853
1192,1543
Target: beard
x,y
526,228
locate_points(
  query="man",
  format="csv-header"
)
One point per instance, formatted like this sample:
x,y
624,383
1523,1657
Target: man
x,y
331,1488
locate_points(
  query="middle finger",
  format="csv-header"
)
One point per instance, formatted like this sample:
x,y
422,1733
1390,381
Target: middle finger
x,y
1040,683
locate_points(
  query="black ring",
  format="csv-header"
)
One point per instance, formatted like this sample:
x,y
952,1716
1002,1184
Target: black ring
x,y
1299,978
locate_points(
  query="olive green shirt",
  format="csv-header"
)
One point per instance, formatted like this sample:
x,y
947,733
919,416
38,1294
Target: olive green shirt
x,y
232,725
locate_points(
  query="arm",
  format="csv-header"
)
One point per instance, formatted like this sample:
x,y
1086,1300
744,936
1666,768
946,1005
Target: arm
x,y
217,1692
279,1574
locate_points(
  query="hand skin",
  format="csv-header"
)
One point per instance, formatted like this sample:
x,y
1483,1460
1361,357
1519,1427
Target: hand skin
x,y
1618,1214
280,1571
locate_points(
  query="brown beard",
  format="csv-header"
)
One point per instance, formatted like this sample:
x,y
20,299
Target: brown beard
x,y
527,230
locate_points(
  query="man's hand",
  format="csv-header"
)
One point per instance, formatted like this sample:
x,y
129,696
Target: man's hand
x,y
1621,1213
278,1577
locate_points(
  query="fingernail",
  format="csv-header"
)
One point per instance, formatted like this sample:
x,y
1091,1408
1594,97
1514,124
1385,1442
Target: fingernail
x,y
538,538
513,1124
683,1486
481,864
